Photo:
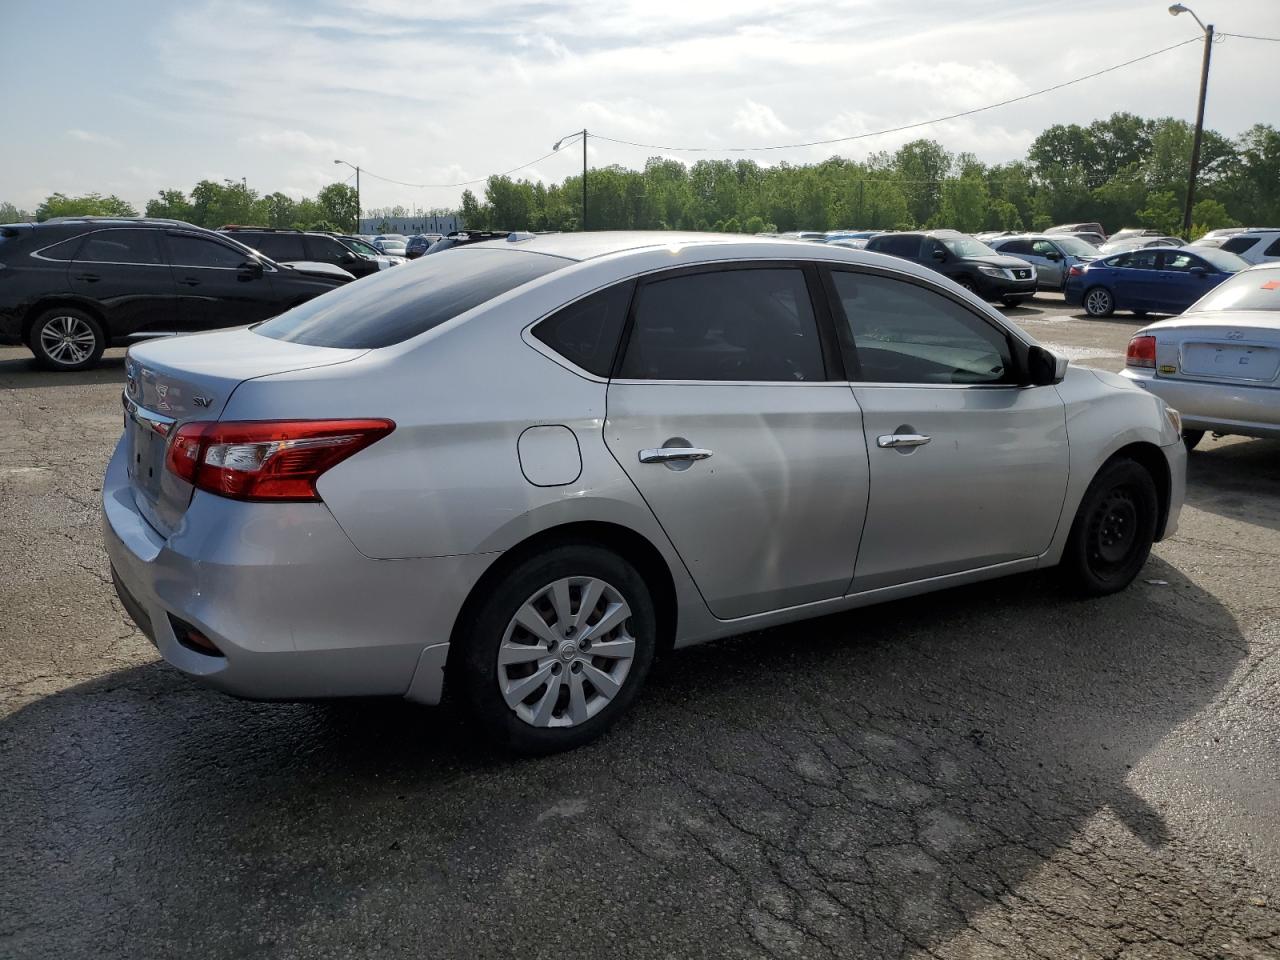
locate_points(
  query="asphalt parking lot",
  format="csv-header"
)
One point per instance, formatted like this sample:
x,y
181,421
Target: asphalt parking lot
x,y
997,770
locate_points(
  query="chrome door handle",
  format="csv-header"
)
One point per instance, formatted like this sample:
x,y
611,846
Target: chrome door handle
x,y
902,440
673,454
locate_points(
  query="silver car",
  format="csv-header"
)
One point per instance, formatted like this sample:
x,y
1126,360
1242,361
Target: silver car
x,y
1052,255
1219,361
520,469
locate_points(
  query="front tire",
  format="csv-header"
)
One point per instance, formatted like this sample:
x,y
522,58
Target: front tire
x,y
1098,302
559,650
67,339
1113,530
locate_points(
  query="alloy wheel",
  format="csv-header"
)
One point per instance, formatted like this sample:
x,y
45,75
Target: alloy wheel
x,y
67,340
1098,302
566,653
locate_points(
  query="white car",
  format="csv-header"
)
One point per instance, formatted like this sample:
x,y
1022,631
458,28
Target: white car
x,y
1256,245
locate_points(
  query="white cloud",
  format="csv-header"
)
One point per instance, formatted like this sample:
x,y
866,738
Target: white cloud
x,y
294,141
87,136
758,120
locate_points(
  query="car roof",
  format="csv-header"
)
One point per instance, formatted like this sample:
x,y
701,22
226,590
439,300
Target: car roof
x,y
588,246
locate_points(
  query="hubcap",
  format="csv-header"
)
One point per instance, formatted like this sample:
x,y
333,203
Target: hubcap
x,y
67,340
1099,301
566,653
1113,530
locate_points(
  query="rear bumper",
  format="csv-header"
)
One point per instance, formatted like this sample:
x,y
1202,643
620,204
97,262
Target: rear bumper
x,y
296,610
1223,408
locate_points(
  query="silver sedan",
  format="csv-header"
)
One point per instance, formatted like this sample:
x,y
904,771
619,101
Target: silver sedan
x,y
521,469
1219,361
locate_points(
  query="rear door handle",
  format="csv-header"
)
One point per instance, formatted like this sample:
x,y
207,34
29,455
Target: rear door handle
x,y
673,454
89,277
189,282
902,440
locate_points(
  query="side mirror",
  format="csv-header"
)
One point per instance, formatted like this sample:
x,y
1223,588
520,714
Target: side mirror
x,y
1053,255
1198,272
250,268
349,257
939,255
1044,367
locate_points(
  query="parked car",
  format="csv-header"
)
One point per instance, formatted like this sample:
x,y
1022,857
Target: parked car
x,y
1051,254
393,245
1139,243
1215,238
72,286
419,243
1089,237
1219,362
367,249
292,246
1149,281
462,238
1128,233
813,236
1256,245
832,235
1093,227
969,262
514,540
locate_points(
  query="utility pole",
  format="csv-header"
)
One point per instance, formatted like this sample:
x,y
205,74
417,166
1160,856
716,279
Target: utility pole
x,y
357,170
1174,10
556,146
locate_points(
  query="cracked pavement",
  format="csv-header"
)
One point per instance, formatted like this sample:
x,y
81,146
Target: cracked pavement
x,y
994,771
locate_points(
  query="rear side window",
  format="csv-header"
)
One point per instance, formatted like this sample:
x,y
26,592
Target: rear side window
x,y
120,246
749,324
280,247
904,333
66,250
1273,250
1016,246
188,251
586,333
394,305
1136,260
1239,244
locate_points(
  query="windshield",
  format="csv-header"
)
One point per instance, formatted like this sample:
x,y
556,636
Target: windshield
x,y
967,247
1250,290
359,246
394,305
1077,247
1224,260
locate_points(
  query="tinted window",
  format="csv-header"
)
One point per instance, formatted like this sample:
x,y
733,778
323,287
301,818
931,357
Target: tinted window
x,y
1239,244
66,250
906,245
1182,262
1043,248
280,247
1136,260
359,246
1273,250
189,251
120,246
904,333
586,333
725,325
394,305
1251,290
966,247
326,250
1016,246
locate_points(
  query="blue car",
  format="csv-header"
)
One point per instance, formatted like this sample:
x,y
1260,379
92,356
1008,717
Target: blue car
x,y
1150,280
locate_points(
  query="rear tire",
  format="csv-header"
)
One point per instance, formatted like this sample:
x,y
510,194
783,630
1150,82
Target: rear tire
x,y
1190,438
1113,530
553,687
1098,302
67,339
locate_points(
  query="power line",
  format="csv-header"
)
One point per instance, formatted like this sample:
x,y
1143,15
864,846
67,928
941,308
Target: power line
x,y
908,126
465,183
1246,36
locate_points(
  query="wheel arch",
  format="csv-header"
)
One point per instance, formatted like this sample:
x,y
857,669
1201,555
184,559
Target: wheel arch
x,y
633,547
1152,459
39,307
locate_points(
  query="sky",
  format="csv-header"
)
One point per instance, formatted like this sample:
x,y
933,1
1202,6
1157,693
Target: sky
x,y
133,96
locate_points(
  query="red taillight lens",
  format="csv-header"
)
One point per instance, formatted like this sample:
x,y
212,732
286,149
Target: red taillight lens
x,y
1076,270
1141,352
267,459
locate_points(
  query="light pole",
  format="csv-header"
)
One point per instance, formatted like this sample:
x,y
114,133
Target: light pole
x,y
357,170
1174,10
556,146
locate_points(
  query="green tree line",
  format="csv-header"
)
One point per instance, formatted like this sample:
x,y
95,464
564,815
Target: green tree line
x,y
1122,171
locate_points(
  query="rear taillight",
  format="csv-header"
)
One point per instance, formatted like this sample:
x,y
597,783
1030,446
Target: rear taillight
x,y
267,459
1076,270
1141,352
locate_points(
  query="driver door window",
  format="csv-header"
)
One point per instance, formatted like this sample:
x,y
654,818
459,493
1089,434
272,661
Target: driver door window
x,y
899,332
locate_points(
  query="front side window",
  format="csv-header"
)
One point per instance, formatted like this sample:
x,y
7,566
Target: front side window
x,y
280,247
120,246
965,247
1181,262
1135,260
586,333
188,251
747,324
1043,248
1239,244
359,246
1273,250
326,250
901,332
899,245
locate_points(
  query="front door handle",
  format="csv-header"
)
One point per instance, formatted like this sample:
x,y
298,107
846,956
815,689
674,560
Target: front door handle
x,y
88,277
673,454
189,282
902,440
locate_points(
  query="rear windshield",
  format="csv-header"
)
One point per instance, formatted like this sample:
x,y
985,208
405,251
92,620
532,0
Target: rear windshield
x,y
1224,260
394,305
1250,290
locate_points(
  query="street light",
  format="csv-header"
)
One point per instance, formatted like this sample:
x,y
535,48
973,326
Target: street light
x,y
357,170
1174,10
556,147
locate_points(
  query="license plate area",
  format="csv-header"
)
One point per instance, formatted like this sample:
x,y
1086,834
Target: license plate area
x,y
148,437
1231,361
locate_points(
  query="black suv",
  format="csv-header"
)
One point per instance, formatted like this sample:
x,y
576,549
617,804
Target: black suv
x,y
70,287
969,262
289,246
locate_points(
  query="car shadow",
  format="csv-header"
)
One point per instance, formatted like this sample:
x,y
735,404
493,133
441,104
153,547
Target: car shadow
x,y
862,785
23,373
1237,478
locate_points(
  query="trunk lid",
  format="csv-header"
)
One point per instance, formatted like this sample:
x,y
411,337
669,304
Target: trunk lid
x,y
177,380
1220,348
